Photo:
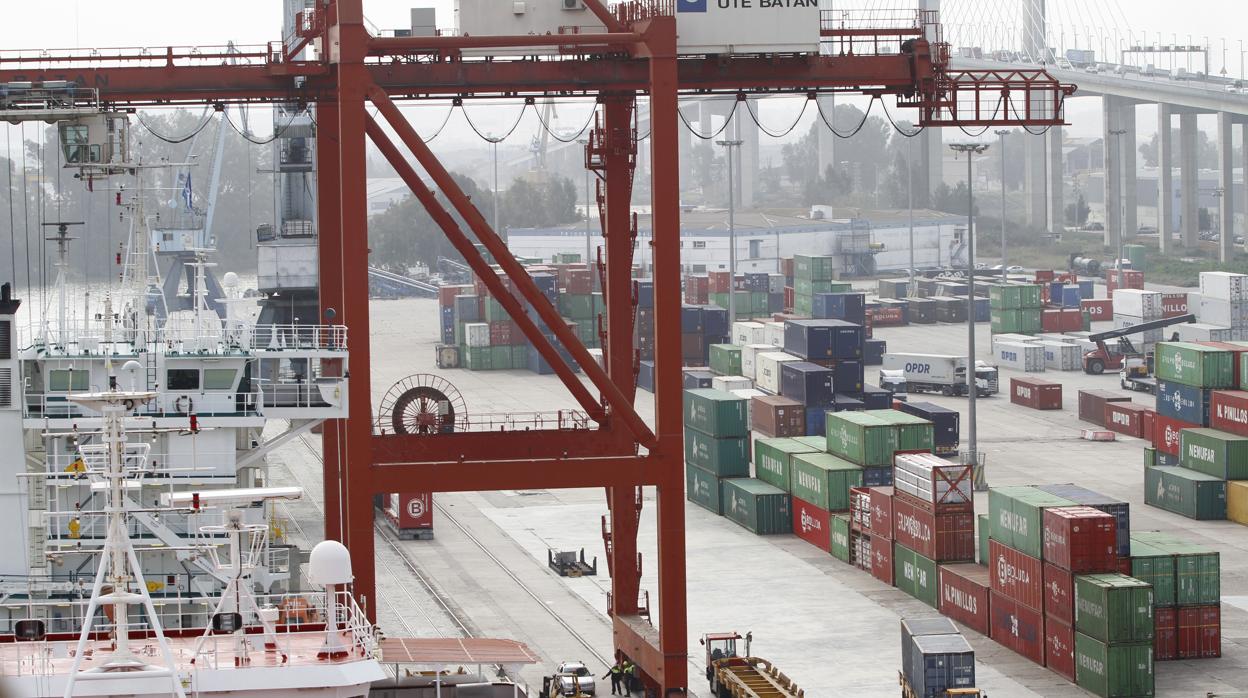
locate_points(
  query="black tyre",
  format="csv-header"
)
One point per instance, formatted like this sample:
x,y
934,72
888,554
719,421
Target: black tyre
x,y
1096,367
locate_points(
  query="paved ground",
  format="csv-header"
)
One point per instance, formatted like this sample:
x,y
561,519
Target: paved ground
x,y
831,627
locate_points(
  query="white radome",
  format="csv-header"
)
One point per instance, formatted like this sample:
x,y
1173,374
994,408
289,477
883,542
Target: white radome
x,y
329,563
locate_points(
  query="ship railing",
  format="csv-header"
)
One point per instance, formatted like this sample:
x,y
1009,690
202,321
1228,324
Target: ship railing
x,y
110,337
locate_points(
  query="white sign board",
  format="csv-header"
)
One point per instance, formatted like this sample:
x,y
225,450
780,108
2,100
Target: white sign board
x,y
747,26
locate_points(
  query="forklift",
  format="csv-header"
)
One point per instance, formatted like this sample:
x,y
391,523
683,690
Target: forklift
x,y
1122,355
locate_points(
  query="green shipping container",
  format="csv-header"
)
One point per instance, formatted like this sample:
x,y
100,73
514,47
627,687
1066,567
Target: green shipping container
x,y
1187,492
814,267
494,311
1015,516
915,575
816,443
716,413
913,433
981,523
578,306
702,488
726,359
500,357
1015,321
773,459
762,508
1195,365
1005,296
807,287
1136,254
728,457
1114,608
1156,567
476,358
1150,456
1213,452
1114,671
743,303
758,302
1197,569
803,304
823,480
861,438
840,537
519,356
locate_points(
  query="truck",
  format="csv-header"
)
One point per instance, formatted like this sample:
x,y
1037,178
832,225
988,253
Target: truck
x,y
738,675
919,373
1114,356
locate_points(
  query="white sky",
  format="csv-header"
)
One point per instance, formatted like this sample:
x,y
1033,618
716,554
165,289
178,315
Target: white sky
x,y
92,23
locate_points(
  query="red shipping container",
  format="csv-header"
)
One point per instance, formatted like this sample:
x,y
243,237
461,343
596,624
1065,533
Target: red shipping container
x,y
1123,566
1100,309
885,316
786,266
1173,304
964,590
580,282
1092,404
1017,627
1059,593
788,297
812,524
411,511
1165,633
500,333
1126,418
1080,539
1016,575
860,509
1061,320
774,415
944,536
882,511
1036,393
1146,419
882,559
1059,647
1228,411
1200,632
1166,433
1044,275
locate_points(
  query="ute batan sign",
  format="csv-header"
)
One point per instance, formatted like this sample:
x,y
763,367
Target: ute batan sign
x,y
747,26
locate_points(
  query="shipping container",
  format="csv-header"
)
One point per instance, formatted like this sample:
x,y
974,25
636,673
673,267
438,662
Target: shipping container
x,y
1018,356
1199,630
1092,404
882,559
1165,633
715,413
759,507
1181,491
850,307
823,339
1120,510
1137,303
1114,608
840,537
964,592
1237,502
942,536
695,378
1224,285
1015,514
731,384
1197,569
1203,332
1213,452
1017,627
809,384
1059,647
1128,418
939,664
773,458
1036,393
913,433
749,354
982,529
1228,411
767,369
1155,567
1167,432
915,574
1062,356
824,479
814,267
912,628
728,457
881,502
1173,304
934,480
725,359
1059,593
1195,365
1016,575
1080,539
946,424
1100,309
745,332
861,438
812,524
702,488
1114,671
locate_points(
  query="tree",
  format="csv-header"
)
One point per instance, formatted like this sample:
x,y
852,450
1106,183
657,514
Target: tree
x,y
1077,212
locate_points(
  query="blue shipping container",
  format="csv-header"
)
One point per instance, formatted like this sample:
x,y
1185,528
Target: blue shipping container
x,y
645,374
873,351
760,282
1183,402
809,384
1071,295
690,319
1120,510
775,302
849,403
643,289
817,420
983,310
467,309
940,663
847,376
946,423
715,320
851,307
1087,290
881,476
697,378
1056,290
823,339
876,398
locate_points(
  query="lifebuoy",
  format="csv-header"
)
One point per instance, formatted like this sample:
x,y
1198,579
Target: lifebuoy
x,y
180,408
128,404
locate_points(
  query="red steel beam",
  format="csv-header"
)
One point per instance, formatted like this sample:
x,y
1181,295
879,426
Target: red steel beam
x,y
537,444
483,270
622,472
330,244
604,15
398,46
621,406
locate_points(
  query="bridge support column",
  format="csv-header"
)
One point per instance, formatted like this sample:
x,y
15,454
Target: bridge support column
x,y
746,130
1243,152
1035,181
1057,202
684,139
1165,181
1112,112
827,141
1189,180
1127,156
931,166
1226,181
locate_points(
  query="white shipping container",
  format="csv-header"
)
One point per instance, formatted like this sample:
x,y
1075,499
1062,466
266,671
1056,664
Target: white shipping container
x,y
767,370
1062,356
731,383
1145,338
1084,344
1224,285
1054,337
1020,357
1203,332
1214,311
1007,337
748,353
717,26
745,332
477,334
773,333
933,479
1136,303
748,394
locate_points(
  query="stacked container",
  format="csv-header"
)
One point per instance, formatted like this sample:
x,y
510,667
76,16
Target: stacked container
x,y
946,424
814,274
1015,308
1134,307
1114,635
717,444
1077,540
777,416
1224,301
1187,592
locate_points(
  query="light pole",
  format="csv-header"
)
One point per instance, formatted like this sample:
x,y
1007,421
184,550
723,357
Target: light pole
x,y
970,150
732,232
1003,133
588,235
910,205
1122,204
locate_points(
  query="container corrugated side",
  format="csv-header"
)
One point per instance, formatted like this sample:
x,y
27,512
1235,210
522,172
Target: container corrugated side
x,y
824,479
702,488
1213,452
941,663
913,433
773,458
1017,576
840,537
812,524
1015,514
1156,568
964,590
1192,494
1120,510
1197,569
728,457
1114,671
1017,627
861,438
1195,365
1114,608
1059,647
759,507
945,536
915,574
716,413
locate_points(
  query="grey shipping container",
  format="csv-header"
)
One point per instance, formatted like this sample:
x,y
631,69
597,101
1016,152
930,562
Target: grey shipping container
x,y
918,627
940,663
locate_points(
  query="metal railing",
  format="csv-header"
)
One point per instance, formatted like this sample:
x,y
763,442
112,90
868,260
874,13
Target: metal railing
x,y
566,420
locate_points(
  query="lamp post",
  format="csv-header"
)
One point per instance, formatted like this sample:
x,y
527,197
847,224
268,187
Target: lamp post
x,y
910,204
971,150
1122,206
588,235
732,231
1002,133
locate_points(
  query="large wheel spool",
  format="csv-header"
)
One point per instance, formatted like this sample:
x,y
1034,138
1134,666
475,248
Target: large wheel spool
x,y
422,404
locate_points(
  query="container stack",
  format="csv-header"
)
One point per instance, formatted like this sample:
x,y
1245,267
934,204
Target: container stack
x,y
1116,280
1015,308
1133,307
946,425
1113,653
1224,301
1192,396
717,445
701,327
1186,581
814,274
933,521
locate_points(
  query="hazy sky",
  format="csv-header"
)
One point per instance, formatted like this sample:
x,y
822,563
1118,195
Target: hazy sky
x,y
101,23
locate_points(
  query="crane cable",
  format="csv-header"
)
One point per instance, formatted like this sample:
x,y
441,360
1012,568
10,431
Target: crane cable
x,y
12,229
204,120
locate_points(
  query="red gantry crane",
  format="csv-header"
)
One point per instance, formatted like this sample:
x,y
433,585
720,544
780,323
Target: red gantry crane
x,y
637,55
